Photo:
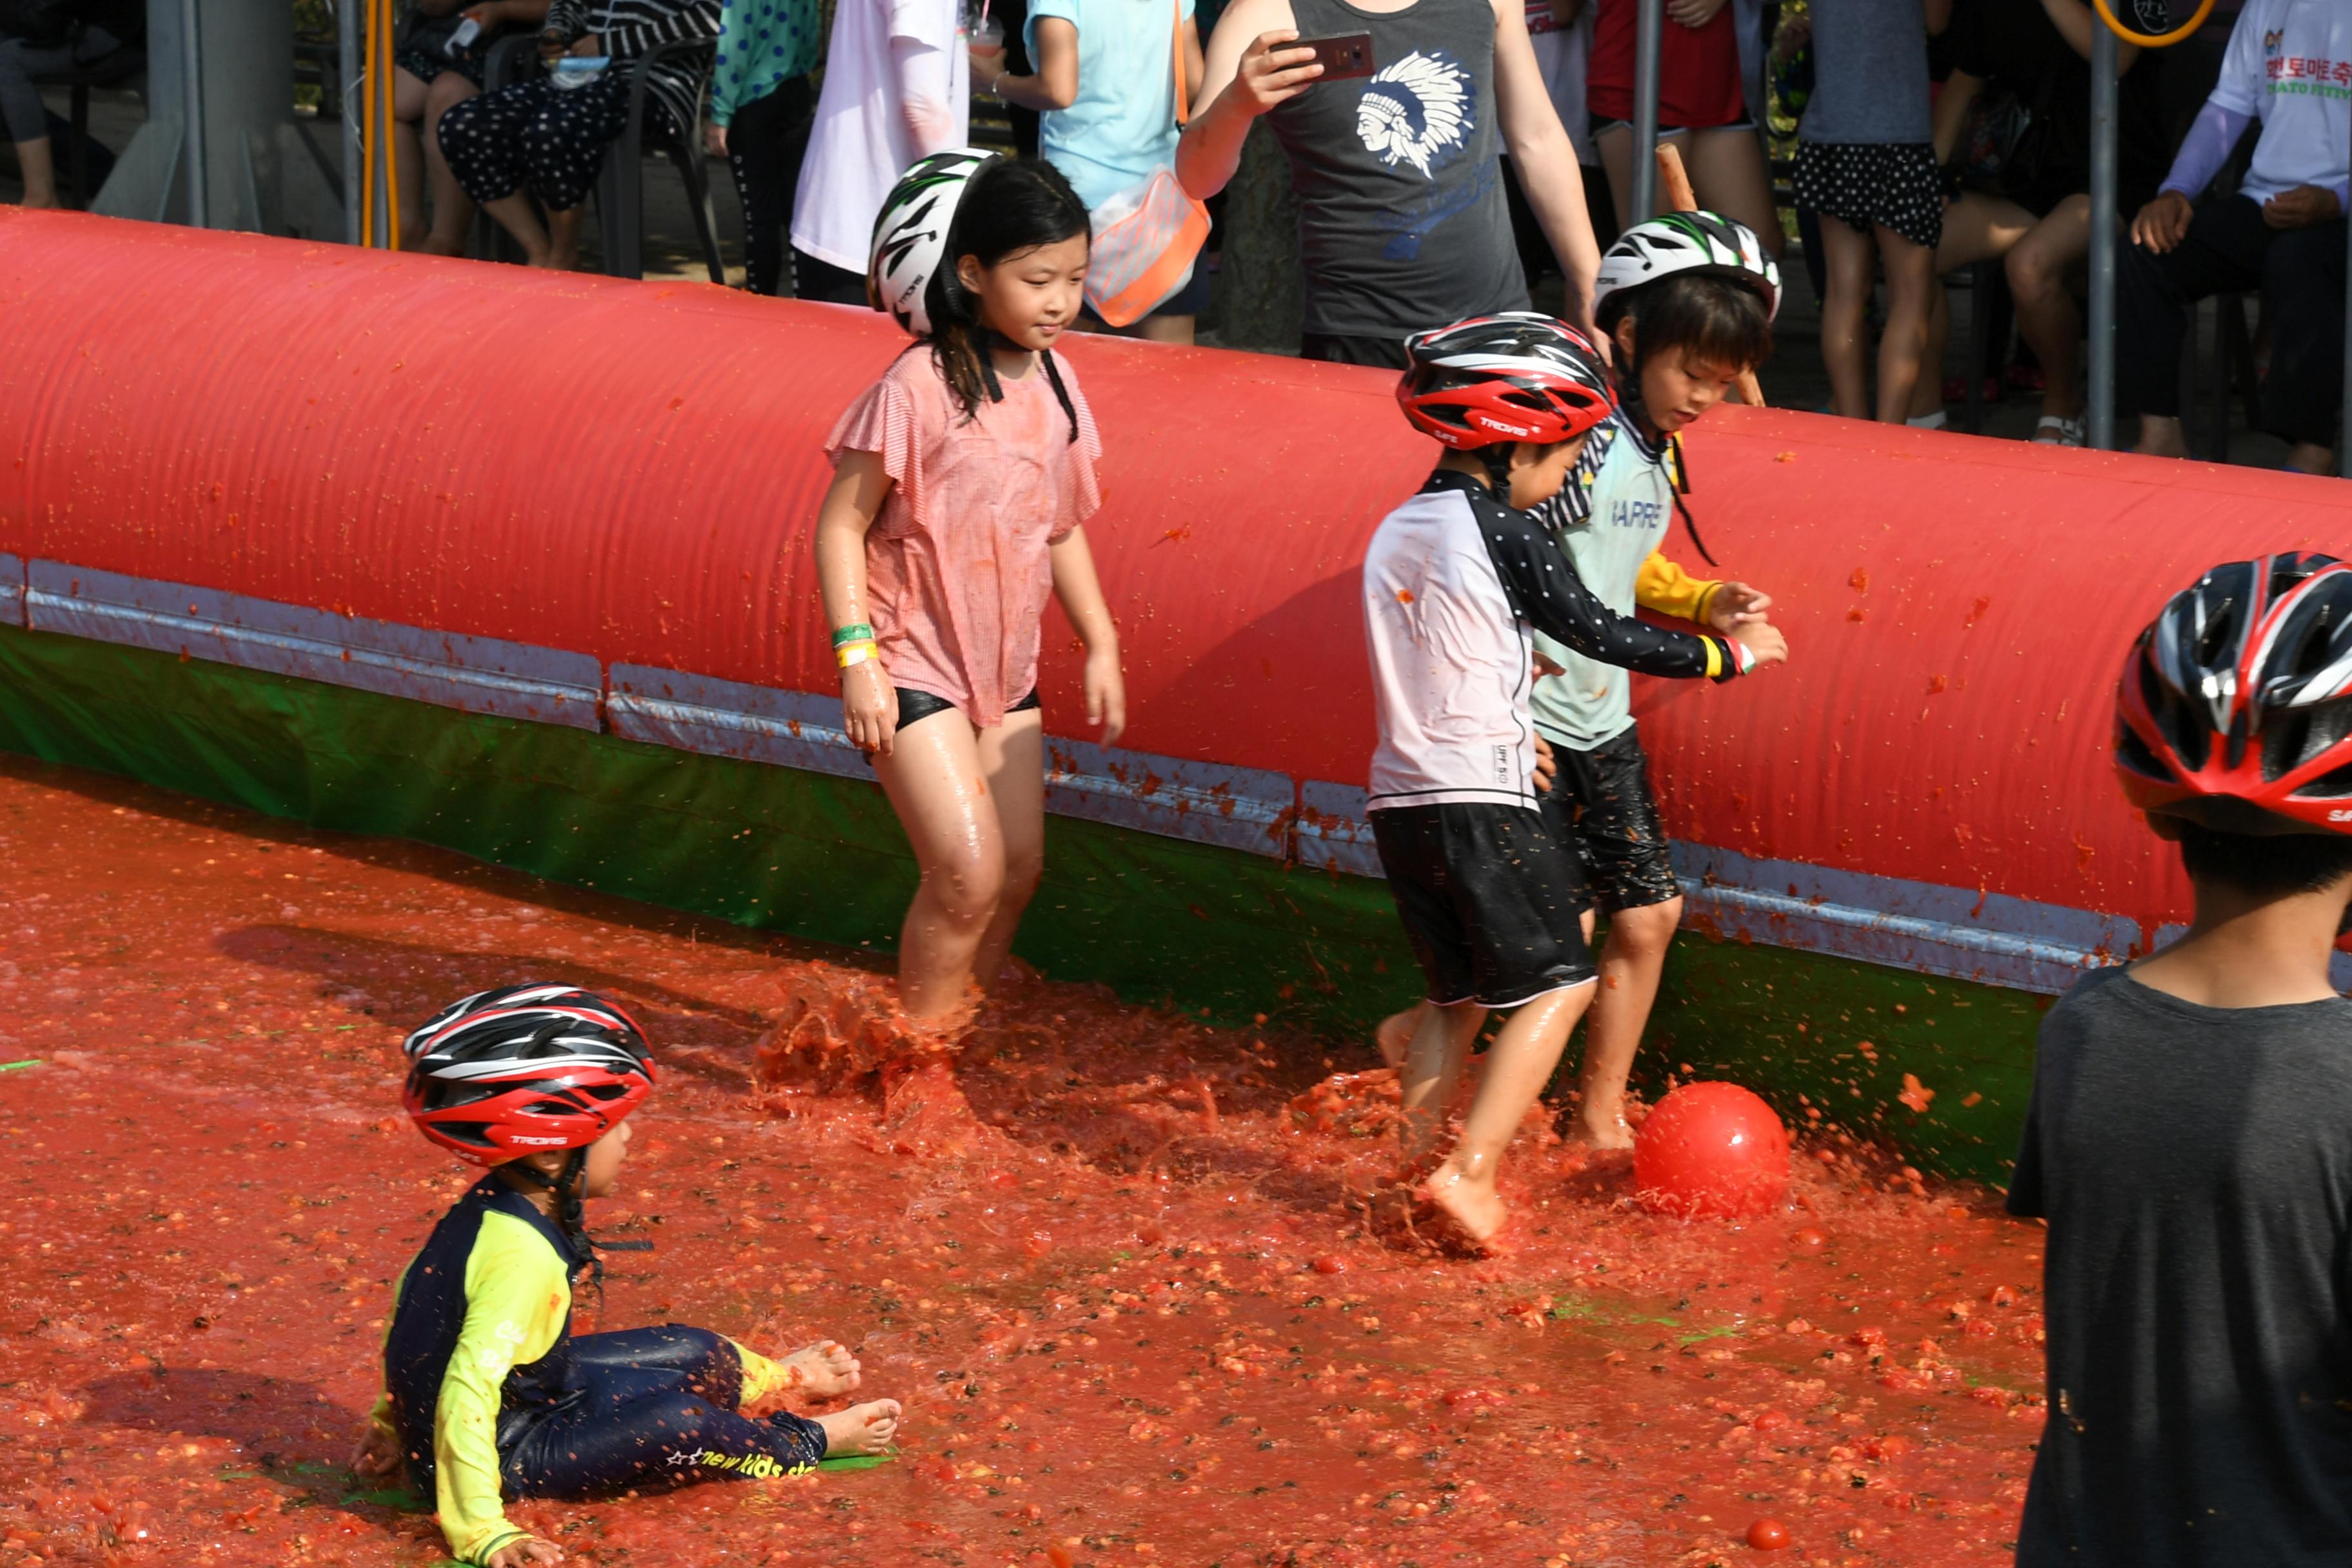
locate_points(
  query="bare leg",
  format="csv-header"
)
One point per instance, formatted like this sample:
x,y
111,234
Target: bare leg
x,y
1903,346
1394,1035
1432,1066
1516,1070
452,208
1616,148
1729,175
1631,962
515,214
2159,435
40,172
937,785
1844,325
1013,759
563,238
2037,269
408,95
1163,329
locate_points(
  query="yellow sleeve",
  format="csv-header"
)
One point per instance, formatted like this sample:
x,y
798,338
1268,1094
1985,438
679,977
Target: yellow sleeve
x,y
761,1377
516,1299
1666,588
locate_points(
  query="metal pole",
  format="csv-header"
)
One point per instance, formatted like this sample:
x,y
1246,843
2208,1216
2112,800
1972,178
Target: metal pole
x,y
200,207
2101,380
1648,39
2344,439
347,49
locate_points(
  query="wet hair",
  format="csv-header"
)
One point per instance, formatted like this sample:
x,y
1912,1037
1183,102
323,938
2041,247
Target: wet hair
x,y
1717,319
2266,866
1013,205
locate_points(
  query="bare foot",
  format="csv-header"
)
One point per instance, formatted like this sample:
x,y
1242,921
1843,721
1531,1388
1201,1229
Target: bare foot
x,y
866,1428
1475,1213
432,245
824,1370
1603,1131
563,260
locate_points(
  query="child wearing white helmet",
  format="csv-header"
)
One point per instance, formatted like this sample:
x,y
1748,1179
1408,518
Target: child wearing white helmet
x,y
963,480
1688,301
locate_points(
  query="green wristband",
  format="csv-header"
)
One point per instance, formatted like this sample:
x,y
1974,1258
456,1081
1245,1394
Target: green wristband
x,y
860,632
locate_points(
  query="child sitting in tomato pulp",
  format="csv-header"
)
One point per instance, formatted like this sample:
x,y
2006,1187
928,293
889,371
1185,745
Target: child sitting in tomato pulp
x,y
486,1393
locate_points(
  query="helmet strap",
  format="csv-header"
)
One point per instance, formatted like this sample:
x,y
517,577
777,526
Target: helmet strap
x,y
1497,460
568,1188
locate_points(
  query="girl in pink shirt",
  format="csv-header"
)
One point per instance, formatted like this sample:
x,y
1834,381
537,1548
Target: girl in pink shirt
x,y
961,479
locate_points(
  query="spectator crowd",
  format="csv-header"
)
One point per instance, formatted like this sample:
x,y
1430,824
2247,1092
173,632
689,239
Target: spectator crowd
x,y
1466,152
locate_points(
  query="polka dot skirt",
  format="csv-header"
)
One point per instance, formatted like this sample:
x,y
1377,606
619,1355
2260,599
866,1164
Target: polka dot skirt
x,y
1898,185
535,135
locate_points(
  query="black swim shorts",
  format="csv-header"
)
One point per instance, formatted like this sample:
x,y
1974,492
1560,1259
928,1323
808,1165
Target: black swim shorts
x,y
914,707
1599,803
1490,899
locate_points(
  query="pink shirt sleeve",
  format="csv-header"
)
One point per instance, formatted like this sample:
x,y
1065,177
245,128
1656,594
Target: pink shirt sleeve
x,y
883,421
1082,498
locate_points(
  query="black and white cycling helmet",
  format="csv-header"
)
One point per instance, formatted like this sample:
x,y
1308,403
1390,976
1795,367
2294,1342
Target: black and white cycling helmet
x,y
908,258
1686,242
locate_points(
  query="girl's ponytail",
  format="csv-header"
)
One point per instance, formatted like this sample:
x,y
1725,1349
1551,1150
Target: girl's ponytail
x,y
1012,205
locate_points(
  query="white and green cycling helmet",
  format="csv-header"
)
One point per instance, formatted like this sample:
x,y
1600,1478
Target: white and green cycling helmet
x,y
1686,242
911,233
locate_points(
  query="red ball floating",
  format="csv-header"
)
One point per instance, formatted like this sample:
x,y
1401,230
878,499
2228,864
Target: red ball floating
x,y
1711,1150
1768,1535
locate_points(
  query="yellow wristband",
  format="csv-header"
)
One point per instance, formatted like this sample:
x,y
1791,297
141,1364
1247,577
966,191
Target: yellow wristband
x,y
857,652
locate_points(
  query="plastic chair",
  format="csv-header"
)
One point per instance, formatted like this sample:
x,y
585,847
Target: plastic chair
x,y
107,70
620,183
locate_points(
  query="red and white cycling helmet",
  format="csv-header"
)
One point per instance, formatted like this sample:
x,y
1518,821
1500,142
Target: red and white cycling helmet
x,y
1513,376
2235,710
523,1069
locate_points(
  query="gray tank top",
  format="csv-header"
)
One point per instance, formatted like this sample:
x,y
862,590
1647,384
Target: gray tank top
x,y
1401,221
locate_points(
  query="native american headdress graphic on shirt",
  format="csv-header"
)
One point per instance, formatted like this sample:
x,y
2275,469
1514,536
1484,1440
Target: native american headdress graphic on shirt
x,y
1416,112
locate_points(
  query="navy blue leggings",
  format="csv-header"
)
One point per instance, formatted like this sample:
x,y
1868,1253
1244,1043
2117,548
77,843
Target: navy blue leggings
x,y
659,1408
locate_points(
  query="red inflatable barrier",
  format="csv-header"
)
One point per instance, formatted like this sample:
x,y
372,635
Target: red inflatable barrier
x,y
630,473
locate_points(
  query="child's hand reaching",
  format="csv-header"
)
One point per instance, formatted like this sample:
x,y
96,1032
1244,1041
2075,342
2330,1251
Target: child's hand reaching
x,y
1105,693
377,1458
1736,604
1763,639
528,1552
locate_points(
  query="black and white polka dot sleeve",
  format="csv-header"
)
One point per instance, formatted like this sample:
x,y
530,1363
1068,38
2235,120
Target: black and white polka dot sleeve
x,y
1546,593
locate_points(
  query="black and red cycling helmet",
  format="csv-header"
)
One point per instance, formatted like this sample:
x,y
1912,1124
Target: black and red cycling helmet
x,y
2235,710
1513,376
523,1069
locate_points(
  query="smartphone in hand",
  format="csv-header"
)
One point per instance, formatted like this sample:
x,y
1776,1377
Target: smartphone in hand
x,y
1341,54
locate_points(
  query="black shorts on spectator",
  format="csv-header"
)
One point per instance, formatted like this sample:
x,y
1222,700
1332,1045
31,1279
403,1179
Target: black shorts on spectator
x,y
2230,247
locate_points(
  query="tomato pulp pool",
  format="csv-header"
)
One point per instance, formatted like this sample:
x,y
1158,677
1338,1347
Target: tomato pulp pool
x,y
1136,1318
